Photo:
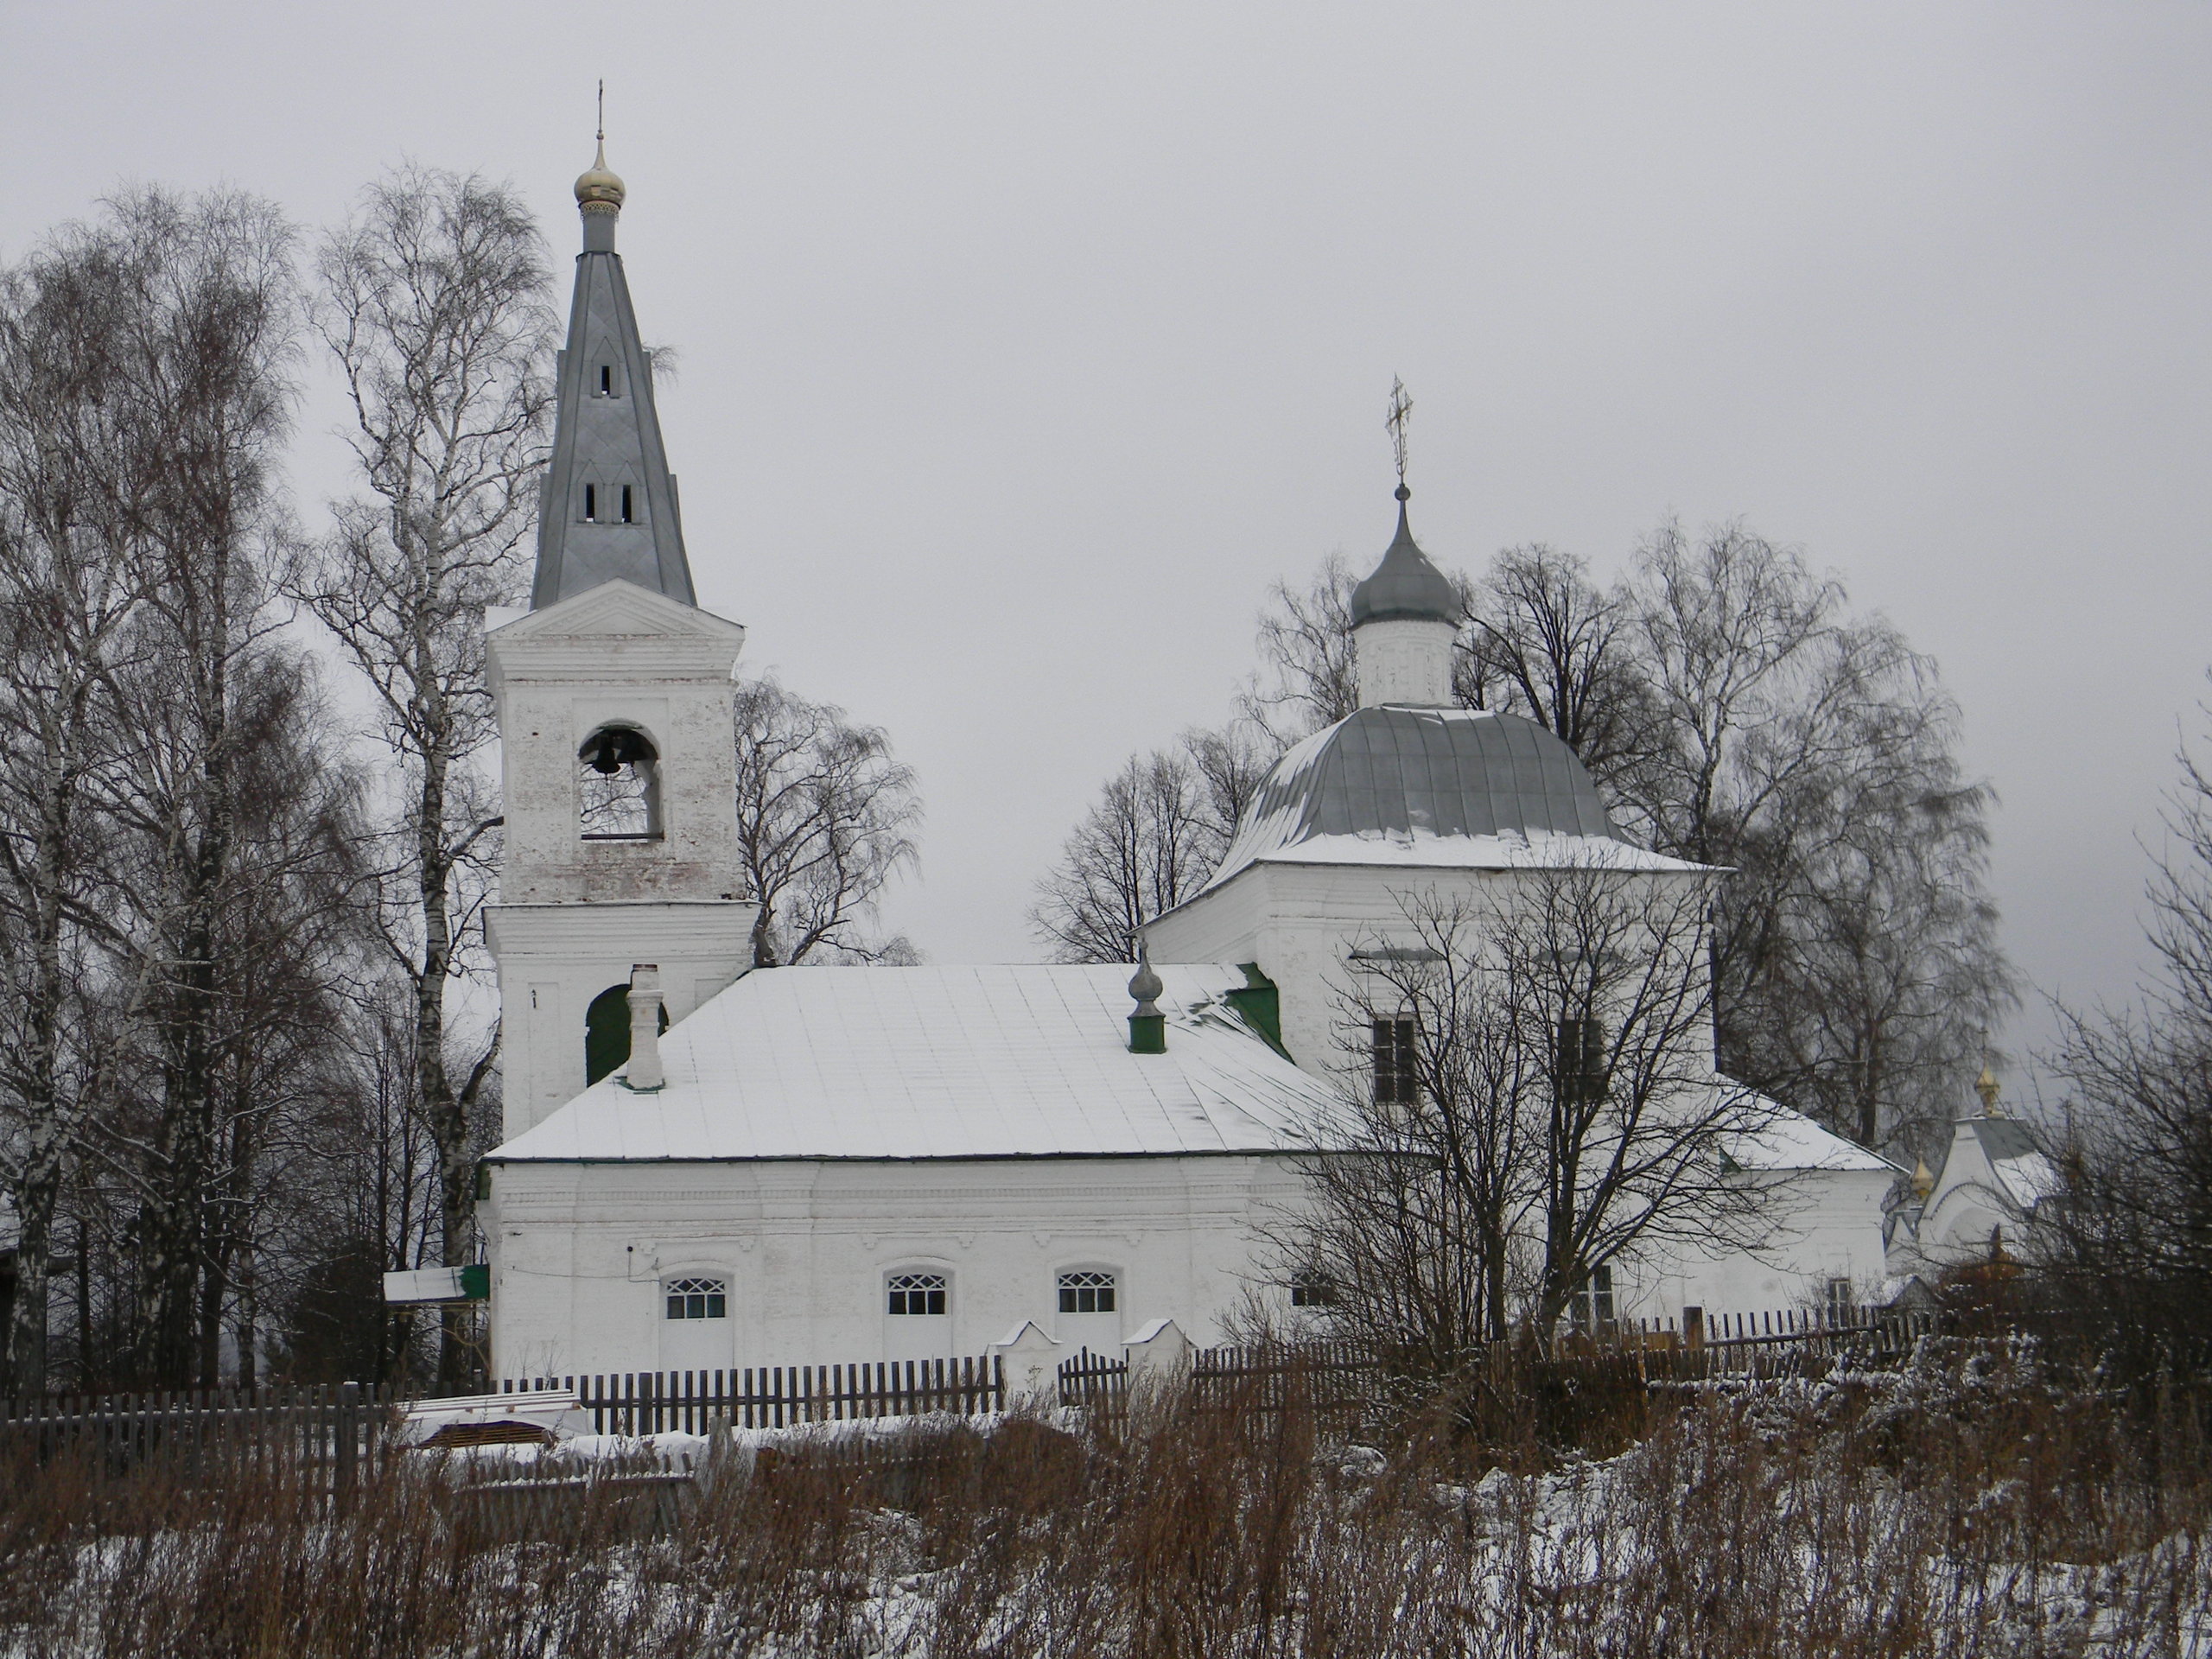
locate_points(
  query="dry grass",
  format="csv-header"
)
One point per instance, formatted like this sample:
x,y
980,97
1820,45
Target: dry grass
x,y
1970,1506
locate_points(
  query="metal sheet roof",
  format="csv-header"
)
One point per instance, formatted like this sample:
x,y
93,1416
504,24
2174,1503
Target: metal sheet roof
x,y
1437,786
896,1062
1405,584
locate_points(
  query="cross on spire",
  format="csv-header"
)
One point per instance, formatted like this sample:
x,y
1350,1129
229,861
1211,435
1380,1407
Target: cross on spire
x,y
602,112
1400,407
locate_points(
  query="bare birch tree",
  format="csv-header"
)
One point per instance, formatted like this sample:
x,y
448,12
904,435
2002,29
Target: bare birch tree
x,y
435,304
1815,753
1148,843
1735,712
207,336
1544,641
1530,1097
826,815
2129,1241
1305,679
69,592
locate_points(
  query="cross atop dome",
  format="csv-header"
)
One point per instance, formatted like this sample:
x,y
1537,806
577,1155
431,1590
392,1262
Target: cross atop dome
x,y
1405,585
1405,617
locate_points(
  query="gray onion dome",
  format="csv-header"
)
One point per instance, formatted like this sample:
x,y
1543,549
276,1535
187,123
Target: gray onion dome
x,y
1405,584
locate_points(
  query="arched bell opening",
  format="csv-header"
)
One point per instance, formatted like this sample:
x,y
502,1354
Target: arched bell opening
x,y
619,785
607,1032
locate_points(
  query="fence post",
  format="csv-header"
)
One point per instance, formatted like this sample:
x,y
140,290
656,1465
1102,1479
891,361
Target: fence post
x,y
1031,1359
1160,1355
346,1429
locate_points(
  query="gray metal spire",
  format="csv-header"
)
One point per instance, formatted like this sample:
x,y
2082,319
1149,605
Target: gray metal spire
x,y
610,509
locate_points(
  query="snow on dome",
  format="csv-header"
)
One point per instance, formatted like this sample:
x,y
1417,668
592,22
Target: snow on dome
x,y
1454,787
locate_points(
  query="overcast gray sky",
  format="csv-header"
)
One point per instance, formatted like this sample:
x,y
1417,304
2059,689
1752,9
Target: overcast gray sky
x,y
1023,346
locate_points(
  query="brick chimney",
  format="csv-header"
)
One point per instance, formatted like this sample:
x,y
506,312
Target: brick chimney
x,y
644,1074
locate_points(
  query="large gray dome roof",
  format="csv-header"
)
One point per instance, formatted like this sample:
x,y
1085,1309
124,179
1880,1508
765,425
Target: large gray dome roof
x,y
1405,584
1390,774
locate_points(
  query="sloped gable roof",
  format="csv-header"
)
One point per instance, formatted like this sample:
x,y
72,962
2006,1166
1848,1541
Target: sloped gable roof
x,y
906,1063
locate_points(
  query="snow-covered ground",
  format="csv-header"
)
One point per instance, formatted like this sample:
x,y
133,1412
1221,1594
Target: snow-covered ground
x,y
1968,1506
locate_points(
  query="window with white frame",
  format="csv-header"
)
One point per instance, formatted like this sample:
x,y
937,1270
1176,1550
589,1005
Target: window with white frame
x,y
698,1299
1313,1289
1842,1303
912,1295
1593,1302
1087,1292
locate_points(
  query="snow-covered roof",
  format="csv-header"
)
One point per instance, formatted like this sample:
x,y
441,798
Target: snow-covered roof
x,y
1419,849
1439,788
1789,1139
2018,1170
895,1063
2027,1179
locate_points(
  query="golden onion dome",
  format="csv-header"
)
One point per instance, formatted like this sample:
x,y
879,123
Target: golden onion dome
x,y
600,188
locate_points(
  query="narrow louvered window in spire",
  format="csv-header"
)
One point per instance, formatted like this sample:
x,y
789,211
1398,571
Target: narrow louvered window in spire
x,y
591,504
626,505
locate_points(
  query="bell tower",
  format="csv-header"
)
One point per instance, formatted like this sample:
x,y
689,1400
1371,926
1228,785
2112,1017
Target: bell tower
x,y
618,741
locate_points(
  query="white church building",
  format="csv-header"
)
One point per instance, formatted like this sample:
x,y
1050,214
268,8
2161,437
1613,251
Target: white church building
x,y
704,1166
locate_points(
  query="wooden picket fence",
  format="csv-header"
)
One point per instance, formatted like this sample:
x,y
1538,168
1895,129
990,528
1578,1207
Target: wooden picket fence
x,y
339,1431
778,1396
335,1432
1342,1379
1783,1342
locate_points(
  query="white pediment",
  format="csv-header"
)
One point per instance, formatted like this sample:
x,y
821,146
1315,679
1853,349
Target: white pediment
x,y
617,609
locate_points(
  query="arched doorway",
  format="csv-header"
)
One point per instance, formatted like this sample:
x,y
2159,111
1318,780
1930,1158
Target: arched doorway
x,y
607,1032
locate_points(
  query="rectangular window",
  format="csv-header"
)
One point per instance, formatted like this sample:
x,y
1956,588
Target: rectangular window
x,y
915,1293
1313,1290
605,381
698,1299
591,504
1842,1305
1396,1073
626,505
1581,1073
1593,1303
1087,1293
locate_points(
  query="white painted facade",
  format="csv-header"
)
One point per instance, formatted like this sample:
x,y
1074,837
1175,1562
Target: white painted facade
x,y
1302,924
583,1255
1405,660
821,1132
574,913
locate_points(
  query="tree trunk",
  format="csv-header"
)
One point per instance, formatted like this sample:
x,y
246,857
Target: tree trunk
x,y
249,1318
34,1255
